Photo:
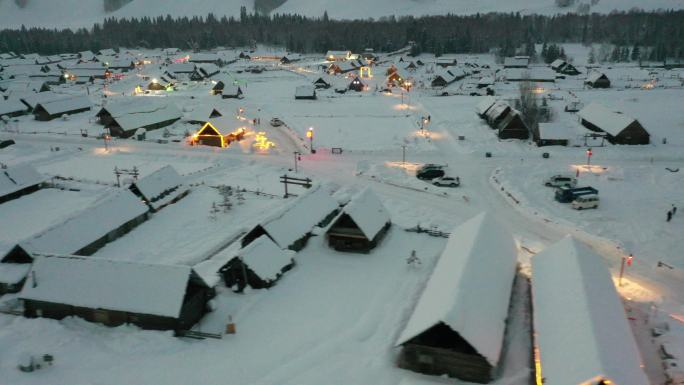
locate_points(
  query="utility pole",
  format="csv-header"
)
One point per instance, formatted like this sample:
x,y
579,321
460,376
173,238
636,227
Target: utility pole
x,y
627,260
297,154
403,155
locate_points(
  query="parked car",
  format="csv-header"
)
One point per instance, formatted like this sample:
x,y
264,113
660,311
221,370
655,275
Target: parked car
x,y
430,171
275,122
561,181
447,181
586,202
568,194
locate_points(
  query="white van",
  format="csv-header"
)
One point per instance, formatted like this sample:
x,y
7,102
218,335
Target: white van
x,y
585,202
561,181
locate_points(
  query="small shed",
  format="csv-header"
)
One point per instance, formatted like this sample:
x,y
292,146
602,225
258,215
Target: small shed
x,y
442,80
356,85
305,92
619,128
553,134
13,276
361,225
231,91
321,83
291,227
65,106
115,292
210,134
512,126
291,58
597,80
17,181
160,188
259,265
458,325
581,333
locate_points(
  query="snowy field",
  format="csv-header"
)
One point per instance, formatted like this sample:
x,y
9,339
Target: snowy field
x,y
335,317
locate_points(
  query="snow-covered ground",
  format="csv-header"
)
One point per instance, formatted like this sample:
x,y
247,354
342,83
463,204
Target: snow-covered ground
x,y
335,317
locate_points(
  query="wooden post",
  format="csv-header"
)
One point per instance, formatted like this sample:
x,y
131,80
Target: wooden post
x,y
230,326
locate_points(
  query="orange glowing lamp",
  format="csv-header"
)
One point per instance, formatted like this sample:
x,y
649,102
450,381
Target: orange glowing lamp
x,y
309,133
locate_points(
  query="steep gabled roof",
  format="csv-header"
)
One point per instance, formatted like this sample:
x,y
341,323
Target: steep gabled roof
x,y
153,114
97,283
368,212
297,219
470,287
605,119
161,187
265,258
65,105
580,324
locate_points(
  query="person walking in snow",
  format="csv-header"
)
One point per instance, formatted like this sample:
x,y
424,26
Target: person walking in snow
x,y
669,215
674,209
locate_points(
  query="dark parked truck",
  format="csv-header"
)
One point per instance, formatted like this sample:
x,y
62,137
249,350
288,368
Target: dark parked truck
x,y
568,194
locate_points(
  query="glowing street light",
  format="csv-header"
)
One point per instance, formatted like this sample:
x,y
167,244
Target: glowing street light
x,y
310,135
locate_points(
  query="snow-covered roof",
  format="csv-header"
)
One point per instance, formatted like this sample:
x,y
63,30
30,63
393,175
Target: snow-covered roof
x,y
88,225
107,52
305,91
495,111
121,63
208,69
555,130
86,55
161,187
338,53
536,73
368,212
594,76
203,112
98,283
557,63
67,104
41,97
470,287
231,90
580,324
17,178
265,258
181,68
486,103
517,61
297,219
11,106
147,115
204,57
13,273
605,119
486,80
444,74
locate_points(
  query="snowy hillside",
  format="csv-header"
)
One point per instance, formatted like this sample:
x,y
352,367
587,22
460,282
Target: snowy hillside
x,y
79,13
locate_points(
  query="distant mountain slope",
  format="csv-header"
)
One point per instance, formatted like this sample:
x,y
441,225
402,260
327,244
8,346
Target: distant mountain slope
x,y
83,13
